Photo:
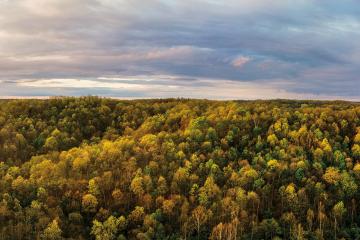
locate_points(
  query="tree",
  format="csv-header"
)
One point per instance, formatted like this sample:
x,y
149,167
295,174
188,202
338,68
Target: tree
x,y
356,151
332,176
52,232
137,186
273,165
81,163
108,229
318,154
269,228
137,215
272,140
356,170
162,187
338,211
89,203
200,216
168,207
218,232
93,187
209,191
348,185
326,146
51,144
310,218
357,138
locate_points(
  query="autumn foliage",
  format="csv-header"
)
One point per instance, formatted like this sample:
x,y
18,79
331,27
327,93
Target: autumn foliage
x,y
92,168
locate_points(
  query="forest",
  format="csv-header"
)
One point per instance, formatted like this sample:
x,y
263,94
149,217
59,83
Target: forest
x,y
106,169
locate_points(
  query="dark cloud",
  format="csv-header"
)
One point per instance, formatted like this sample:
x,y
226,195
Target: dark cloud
x,y
292,49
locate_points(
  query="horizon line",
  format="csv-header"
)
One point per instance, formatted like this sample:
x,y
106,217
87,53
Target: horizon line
x,y
183,98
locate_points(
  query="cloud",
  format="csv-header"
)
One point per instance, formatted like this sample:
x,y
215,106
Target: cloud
x,y
170,53
313,46
240,61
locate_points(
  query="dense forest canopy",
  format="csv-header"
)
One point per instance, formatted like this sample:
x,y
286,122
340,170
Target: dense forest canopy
x,y
93,168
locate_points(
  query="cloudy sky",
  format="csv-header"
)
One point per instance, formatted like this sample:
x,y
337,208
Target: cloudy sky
x,y
219,49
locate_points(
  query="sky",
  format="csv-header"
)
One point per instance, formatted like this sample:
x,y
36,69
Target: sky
x,y
215,49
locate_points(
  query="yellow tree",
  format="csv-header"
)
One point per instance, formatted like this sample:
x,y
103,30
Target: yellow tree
x,y
200,216
89,203
338,212
332,176
52,232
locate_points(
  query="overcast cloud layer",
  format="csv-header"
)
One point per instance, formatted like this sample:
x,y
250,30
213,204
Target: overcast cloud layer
x,y
225,49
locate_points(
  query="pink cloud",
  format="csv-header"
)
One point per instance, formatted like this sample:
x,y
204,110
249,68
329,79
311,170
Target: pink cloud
x,y
170,53
240,61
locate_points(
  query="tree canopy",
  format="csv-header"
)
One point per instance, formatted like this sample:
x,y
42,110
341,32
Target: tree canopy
x,y
94,168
